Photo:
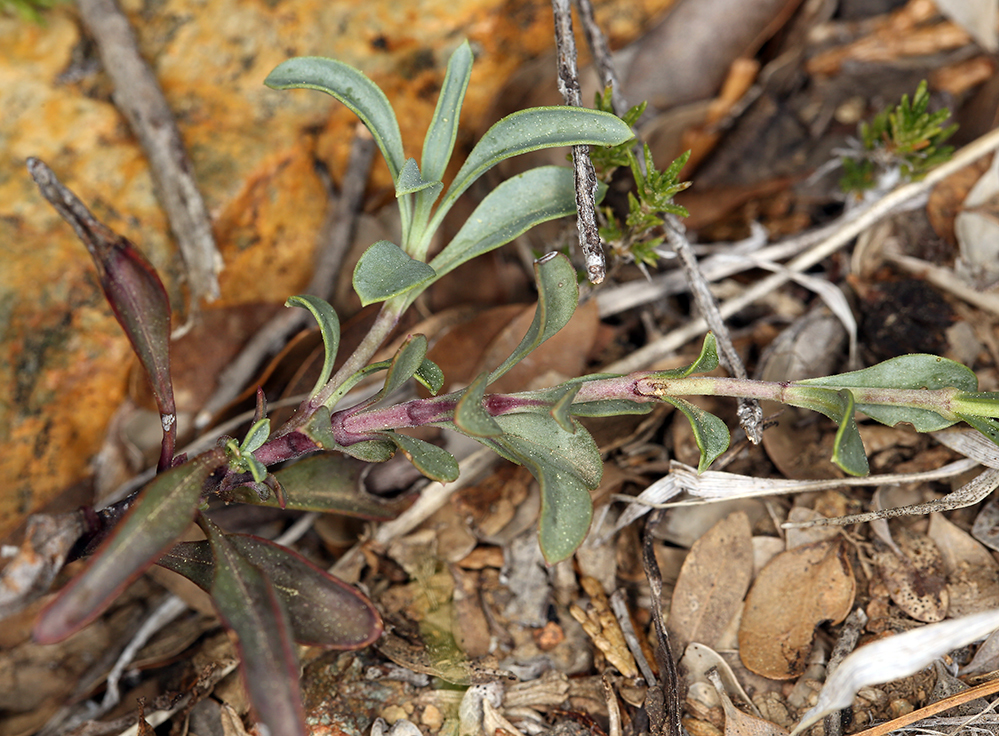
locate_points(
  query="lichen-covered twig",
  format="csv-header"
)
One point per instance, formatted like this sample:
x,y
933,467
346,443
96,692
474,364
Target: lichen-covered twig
x,y
586,177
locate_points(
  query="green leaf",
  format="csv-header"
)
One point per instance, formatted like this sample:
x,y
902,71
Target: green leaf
x,y
322,610
848,449
329,328
567,466
706,362
558,296
434,462
470,416
710,432
611,408
511,209
407,361
248,604
256,436
384,271
561,410
443,131
160,513
410,180
370,451
257,469
351,87
530,130
977,403
918,371
986,425
431,376
327,482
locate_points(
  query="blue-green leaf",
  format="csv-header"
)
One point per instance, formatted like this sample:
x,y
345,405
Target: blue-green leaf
x,y
530,130
918,371
256,436
443,131
385,271
410,180
406,362
434,462
848,449
431,376
558,296
567,466
710,432
511,209
351,87
470,416
707,360
561,410
329,328
986,425
371,451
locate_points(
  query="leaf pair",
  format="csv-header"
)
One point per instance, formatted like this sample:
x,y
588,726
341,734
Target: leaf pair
x,y
387,270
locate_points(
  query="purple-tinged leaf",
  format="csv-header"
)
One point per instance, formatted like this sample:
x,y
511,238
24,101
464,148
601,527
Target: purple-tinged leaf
x,y
132,288
249,605
327,482
323,611
159,514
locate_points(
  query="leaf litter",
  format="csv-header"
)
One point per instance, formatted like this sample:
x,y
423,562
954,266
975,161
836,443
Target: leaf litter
x,y
467,597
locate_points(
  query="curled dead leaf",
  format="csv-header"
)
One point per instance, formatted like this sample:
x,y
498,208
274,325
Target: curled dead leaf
x,y
794,593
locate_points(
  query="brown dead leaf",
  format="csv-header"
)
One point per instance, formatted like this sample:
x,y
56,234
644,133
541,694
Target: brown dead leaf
x,y
713,582
972,573
738,723
915,580
947,198
795,592
599,622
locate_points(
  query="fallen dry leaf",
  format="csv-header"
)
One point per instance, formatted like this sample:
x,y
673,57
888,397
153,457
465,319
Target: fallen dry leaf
x,y
794,593
599,622
972,573
712,583
915,579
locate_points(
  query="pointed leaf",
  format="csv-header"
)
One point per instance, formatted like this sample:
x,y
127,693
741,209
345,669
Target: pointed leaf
x,y
443,131
530,130
351,87
248,604
707,361
256,436
918,371
434,462
323,611
558,296
371,451
133,290
567,466
986,425
326,482
511,209
159,514
561,410
710,432
405,363
431,376
848,449
329,328
384,271
470,416
411,181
